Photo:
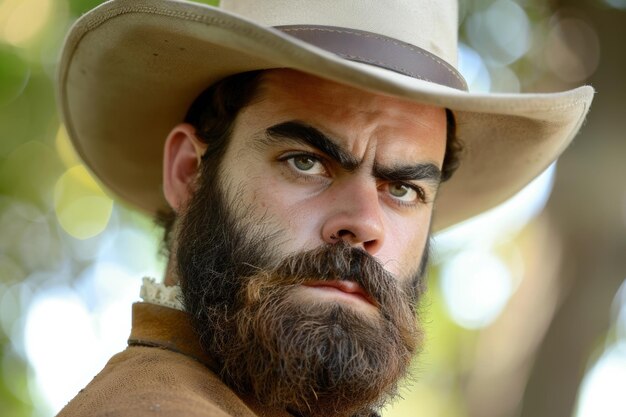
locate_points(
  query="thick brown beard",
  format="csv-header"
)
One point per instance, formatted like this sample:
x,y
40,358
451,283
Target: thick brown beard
x,y
312,358
317,358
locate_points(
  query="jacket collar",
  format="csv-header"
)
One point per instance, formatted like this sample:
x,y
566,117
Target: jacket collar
x,y
168,328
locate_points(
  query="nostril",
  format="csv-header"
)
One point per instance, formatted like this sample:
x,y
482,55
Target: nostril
x,y
344,234
371,246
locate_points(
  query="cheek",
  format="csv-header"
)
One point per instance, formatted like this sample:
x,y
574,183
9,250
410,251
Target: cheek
x,y
405,240
294,214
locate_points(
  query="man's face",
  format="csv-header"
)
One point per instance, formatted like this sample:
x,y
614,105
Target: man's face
x,y
323,162
299,252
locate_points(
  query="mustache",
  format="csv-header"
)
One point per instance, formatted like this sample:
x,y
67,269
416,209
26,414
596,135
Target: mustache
x,y
333,262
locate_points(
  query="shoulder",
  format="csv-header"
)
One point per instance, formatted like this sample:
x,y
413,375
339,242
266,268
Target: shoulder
x,y
147,380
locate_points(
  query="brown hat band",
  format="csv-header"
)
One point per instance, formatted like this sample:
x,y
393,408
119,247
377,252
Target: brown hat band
x,y
381,51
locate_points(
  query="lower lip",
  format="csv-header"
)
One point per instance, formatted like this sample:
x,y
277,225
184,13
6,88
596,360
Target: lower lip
x,y
330,291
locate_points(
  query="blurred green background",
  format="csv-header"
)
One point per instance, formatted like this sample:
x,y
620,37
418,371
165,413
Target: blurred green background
x,y
526,314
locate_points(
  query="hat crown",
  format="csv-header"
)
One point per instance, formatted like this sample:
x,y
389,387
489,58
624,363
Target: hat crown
x,y
429,24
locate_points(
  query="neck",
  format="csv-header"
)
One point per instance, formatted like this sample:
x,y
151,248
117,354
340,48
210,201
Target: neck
x,y
171,275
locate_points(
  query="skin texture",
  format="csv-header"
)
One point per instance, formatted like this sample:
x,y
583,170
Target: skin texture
x,y
327,202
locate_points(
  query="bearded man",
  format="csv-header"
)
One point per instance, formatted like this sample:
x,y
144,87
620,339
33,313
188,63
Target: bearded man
x,y
297,191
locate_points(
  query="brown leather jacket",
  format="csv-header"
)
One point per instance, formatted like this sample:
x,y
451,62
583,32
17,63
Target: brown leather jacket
x,y
163,372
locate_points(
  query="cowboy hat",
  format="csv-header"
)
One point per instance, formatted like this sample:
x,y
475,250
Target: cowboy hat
x,y
130,69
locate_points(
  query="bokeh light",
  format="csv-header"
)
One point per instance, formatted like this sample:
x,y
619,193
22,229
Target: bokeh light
x,y
27,236
65,149
476,286
572,49
500,33
619,312
14,74
81,206
602,391
618,4
504,80
28,173
21,20
474,70
54,320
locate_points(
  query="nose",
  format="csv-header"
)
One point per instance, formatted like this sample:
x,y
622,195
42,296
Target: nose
x,y
355,217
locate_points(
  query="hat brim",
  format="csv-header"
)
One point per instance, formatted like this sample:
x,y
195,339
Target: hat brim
x,y
130,70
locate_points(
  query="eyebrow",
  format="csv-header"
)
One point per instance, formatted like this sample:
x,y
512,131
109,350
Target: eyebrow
x,y
425,171
302,133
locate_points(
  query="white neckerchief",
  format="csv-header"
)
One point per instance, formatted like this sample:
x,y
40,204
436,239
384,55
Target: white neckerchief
x,y
160,294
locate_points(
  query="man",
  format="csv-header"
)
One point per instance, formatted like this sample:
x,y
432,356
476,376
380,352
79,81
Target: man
x,y
299,190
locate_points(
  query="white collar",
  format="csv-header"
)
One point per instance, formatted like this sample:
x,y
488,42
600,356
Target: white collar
x,y
160,294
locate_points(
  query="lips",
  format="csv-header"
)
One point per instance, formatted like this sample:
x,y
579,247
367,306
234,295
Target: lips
x,y
348,287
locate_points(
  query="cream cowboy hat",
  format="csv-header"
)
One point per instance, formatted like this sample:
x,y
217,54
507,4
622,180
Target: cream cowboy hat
x,y
131,68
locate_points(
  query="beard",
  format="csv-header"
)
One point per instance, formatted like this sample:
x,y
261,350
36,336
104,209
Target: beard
x,y
312,358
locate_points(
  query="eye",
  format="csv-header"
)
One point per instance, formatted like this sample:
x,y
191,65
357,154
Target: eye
x,y
306,164
404,192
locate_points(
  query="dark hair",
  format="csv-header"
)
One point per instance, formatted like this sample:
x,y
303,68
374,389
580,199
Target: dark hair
x,y
213,115
454,148
214,111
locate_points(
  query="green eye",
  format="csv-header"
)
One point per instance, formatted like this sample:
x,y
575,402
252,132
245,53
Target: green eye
x,y
403,192
306,165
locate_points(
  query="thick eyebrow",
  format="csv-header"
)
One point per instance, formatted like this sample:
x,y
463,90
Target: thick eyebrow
x,y
426,171
302,133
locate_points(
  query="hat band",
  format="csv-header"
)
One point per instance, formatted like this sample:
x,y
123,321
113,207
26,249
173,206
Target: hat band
x,y
381,51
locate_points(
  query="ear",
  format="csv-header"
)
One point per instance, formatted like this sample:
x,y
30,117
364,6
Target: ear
x,y
181,162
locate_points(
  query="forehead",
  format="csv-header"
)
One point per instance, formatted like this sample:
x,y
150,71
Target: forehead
x,y
357,118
